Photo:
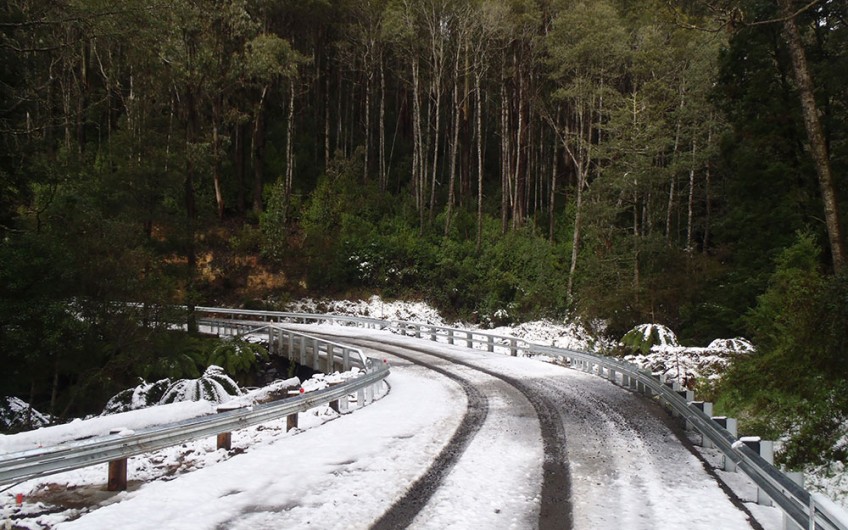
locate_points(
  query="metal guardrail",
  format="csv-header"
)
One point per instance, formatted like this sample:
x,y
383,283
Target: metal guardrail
x,y
301,348
24,465
808,511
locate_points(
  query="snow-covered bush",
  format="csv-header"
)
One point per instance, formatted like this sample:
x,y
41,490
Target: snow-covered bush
x,y
214,385
17,415
645,337
142,396
736,345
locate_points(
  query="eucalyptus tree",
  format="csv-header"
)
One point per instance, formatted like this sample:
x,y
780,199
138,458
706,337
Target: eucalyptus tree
x,y
587,48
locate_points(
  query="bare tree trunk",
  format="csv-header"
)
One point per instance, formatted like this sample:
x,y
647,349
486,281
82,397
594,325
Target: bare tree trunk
x,y
707,200
326,121
457,110
258,148
479,111
520,162
289,145
689,222
673,183
382,139
437,129
815,135
552,198
417,150
217,113
506,186
367,111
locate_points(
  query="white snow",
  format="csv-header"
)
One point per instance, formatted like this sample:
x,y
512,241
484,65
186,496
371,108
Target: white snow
x,y
345,471
104,425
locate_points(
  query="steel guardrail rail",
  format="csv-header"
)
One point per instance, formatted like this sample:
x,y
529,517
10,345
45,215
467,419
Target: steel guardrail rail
x,y
806,510
350,357
19,466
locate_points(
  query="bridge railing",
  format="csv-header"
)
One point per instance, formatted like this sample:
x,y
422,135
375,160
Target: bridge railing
x,y
116,448
803,509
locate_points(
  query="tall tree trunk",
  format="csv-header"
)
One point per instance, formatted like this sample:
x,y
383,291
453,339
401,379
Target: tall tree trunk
x,y
691,208
479,112
240,166
217,113
326,121
815,135
190,205
673,183
457,110
258,152
382,133
416,137
506,186
520,158
367,111
437,129
290,144
707,201
552,197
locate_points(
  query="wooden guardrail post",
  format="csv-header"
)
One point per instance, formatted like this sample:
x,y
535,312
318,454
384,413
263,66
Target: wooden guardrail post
x,y
291,422
513,347
450,336
490,343
117,475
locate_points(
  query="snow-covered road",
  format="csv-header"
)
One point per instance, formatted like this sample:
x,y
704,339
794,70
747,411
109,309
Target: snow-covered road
x,y
464,439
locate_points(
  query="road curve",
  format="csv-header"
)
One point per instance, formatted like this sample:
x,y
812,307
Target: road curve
x,y
625,466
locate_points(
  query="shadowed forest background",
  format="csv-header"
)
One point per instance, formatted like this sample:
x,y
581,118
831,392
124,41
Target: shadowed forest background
x,y
614,161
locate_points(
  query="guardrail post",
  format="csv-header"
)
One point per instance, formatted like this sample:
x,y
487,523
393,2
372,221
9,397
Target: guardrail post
x,y
730,425
707,408
765,449
490,343
117,475
433,334
316,356
417,332
688,395
291,422
611,375
225,441
450,336
788,524
513,347
469,343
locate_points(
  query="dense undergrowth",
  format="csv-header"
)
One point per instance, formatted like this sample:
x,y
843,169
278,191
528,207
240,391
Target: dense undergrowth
x,y
796,387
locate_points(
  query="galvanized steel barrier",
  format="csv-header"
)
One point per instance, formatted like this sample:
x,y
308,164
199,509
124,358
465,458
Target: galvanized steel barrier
x,y
804,510
24,465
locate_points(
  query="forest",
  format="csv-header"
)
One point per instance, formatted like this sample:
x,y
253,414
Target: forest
x,y
609,161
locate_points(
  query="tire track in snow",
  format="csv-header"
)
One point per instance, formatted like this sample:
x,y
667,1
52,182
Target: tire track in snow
x,y
555,510
403,511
